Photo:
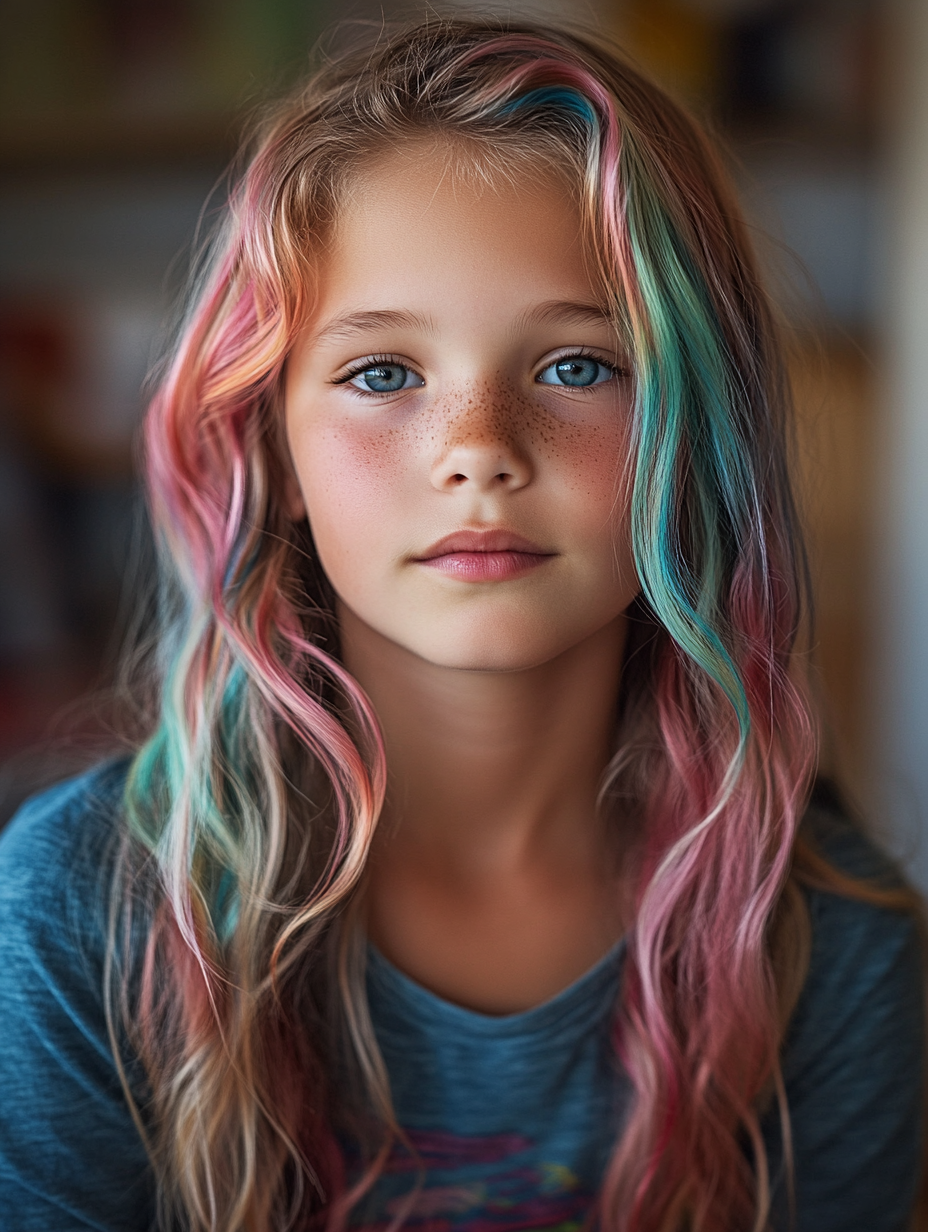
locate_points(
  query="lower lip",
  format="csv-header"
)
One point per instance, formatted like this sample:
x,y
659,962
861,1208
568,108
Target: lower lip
x,y
486,566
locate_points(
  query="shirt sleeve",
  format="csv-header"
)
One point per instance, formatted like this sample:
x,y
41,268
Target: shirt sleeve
x,y
70,1155
853,1068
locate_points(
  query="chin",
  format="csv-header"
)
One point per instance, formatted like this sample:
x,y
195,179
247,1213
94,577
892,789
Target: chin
x,y
492,649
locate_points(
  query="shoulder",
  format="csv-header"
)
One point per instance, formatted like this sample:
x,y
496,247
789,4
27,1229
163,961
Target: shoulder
x,y
834,833
853,1057
67,824
866,959
859,934
78,805
70,1154
57,856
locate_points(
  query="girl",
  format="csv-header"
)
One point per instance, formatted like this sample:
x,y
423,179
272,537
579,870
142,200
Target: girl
x,y
466,878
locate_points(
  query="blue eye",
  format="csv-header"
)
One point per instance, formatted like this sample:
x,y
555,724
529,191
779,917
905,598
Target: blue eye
x,y
385,378
576,371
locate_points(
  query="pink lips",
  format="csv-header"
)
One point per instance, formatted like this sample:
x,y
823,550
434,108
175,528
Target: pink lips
x,y
483,555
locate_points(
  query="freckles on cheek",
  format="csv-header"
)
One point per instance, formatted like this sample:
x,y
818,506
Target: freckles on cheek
x,y
590,461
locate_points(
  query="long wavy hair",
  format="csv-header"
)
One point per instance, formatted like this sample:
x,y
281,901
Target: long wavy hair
x,y
252,804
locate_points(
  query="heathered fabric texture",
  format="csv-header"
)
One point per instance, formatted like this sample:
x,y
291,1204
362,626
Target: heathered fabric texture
x,y
511,1117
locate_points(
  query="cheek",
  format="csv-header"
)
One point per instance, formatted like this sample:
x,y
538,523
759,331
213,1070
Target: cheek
x,y
593,474
352,483
591,465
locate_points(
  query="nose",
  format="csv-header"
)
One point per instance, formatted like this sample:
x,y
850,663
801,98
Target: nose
x,y
481,450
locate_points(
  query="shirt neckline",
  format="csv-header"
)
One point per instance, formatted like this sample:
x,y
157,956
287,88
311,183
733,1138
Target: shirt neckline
x,y
589,998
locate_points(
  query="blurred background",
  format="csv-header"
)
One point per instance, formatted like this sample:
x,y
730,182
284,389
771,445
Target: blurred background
x,y
117,118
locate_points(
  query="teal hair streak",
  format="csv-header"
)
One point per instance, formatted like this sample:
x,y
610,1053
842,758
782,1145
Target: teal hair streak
x,y
160,767
227,820
559,97
169,767
692,460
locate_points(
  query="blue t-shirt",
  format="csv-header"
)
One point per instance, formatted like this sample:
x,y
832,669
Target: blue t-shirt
x,y
511,1118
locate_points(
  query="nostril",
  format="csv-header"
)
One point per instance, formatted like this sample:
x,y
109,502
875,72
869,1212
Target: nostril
x,y
481,470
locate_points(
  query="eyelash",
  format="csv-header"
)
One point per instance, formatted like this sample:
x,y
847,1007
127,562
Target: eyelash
x,y
371,361
585,353
362,365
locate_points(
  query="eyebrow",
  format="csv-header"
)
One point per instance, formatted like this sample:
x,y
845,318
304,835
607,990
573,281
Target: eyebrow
x,y
557,311
352,323
567,312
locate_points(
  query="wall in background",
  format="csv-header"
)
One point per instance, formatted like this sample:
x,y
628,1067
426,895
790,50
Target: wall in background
x,y
899,714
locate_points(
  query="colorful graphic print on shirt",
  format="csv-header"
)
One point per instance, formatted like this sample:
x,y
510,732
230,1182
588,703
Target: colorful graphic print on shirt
x,y
492,1183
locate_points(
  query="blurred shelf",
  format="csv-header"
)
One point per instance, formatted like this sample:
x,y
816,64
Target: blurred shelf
x,y
804,139
95,143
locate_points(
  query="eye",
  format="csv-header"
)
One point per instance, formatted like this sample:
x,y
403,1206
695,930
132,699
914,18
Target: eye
x,y
384,377
576,372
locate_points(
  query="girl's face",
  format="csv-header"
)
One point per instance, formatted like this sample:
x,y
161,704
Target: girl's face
x,y
457,410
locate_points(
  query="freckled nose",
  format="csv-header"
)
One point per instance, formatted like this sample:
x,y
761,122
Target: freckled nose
x,y
481,449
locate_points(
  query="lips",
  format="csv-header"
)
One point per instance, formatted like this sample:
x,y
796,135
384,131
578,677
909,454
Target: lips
x,y
482,541
484,555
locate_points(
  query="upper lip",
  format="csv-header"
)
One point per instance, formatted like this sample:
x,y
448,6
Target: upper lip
x,y
482,541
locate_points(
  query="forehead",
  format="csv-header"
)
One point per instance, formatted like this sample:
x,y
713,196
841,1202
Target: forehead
x,y
424,216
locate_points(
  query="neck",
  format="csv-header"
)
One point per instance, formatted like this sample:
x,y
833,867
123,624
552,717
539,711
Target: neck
x,y
491,767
